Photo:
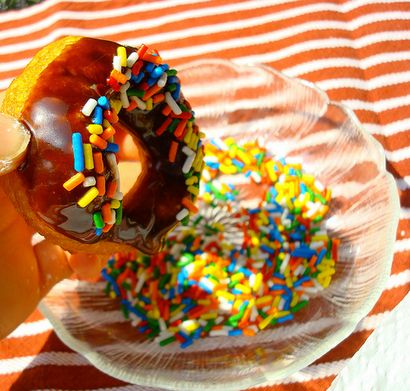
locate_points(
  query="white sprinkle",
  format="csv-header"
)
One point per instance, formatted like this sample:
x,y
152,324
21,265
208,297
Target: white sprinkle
x,y
319,186
89,107
112,162
188,164
132,59
316,245
116,63
118,196
124,100
225,307
202,322
125,87
162,80
284,264
219,319
36,239
281,304
89,181
140,103
254,314
206,175
140,283
218,333
188,151
220,144
252,278
270,284
112,221
176,317
172,104
182,214
256,177
162,325
299,270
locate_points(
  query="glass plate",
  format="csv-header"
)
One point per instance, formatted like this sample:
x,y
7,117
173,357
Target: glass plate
x,y
291,118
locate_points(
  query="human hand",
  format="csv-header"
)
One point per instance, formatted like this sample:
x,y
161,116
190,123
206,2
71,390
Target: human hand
x,y
28,271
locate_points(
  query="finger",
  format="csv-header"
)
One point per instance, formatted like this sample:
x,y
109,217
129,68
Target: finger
x,y
15,138
87,266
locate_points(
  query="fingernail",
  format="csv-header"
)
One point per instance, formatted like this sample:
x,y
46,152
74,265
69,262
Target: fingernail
x,y
14,141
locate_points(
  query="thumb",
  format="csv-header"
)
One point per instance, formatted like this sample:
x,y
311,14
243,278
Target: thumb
x,y
15,138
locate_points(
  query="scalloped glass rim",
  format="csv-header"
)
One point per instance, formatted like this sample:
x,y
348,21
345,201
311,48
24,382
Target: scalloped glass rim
x,y
332,340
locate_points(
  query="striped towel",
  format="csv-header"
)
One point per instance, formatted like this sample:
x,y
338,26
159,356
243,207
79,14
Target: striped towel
x,y
358,51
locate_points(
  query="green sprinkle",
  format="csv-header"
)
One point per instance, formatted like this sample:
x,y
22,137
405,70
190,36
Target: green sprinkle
x,y
185,259
209,325
171,87
135,92
98,220
164,280
118,215
167,341
171,72
298,306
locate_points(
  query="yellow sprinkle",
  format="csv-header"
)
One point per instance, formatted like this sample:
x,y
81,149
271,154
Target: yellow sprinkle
x,y
258,282
204,302
271,171
262,325
237,277
88,197
276,301
226,295
106,124
209,315
264,300
193,190
115,204
255,241
202,135
289,282
190,325
237,304
111,139
192,180
88,156
328,272
309,179
279,314
112,295
95,129
243,288
229,141
295,299
243,156
187,138
116,105
194,142
177,310
149,104
173,330
122,54
228,170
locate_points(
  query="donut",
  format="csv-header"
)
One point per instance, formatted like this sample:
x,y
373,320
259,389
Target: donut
x,y
81,98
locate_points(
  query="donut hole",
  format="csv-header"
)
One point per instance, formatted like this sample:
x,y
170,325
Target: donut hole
x,y
129,174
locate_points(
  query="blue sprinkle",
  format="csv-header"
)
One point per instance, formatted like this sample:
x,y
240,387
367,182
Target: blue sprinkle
x,y
267,249
112,147
104,102
187,343
254,211
292,171
144,299
98,231
285,318
197,333
301,281
303,188
165,67
183,335
245,271
320,256
204,287
175,94
231,266
287,290
97,117
282,160
78,152
138,78
238,163
296,236
143,328
151,81
149,67
248,174
186,300
303,252
212,165
112,281
234,332
157,72
236,291
279,275
276,287
189,308
171,293
173,80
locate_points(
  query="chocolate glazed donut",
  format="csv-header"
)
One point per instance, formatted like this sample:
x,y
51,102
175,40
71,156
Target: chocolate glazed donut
x,y
141,97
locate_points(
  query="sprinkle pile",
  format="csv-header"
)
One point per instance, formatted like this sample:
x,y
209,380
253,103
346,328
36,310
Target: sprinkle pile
x,y
232,270
139,80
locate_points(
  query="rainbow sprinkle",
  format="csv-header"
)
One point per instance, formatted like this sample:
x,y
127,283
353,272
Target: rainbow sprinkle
x,y
139,81
249,259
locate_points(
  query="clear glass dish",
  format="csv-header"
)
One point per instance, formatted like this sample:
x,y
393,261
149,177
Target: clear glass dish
x,y
292,118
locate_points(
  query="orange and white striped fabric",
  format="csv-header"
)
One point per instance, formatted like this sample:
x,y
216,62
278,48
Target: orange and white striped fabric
x,y
358,51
